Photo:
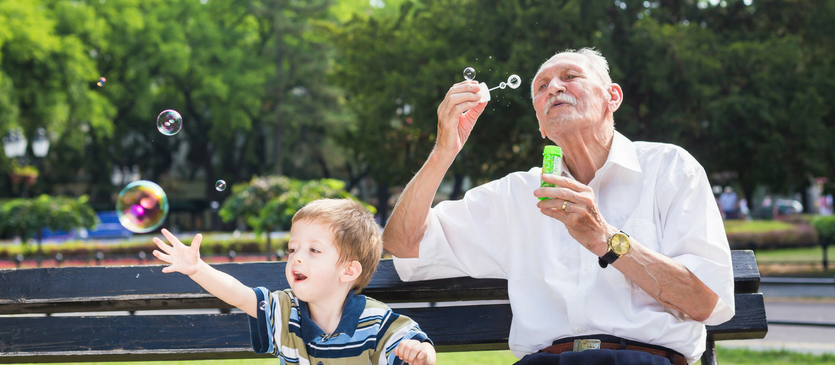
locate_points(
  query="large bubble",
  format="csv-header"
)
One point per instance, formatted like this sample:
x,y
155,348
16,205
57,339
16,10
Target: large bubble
x,y
169,122
142,206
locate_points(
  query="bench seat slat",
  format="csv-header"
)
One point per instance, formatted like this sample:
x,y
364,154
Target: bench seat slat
x,y
225,336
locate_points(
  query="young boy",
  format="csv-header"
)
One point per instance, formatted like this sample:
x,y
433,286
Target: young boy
x,y
334,248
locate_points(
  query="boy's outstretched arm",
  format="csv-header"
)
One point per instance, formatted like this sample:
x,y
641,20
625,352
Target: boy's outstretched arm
x,y
186,260
415,352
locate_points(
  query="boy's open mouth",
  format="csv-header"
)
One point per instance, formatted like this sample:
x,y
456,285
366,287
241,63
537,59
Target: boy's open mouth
x,y
297,276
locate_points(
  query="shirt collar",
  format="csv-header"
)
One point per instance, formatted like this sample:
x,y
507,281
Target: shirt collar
x,y
623,153
351,311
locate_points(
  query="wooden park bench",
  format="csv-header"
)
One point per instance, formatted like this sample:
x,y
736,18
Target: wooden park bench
x,y
41,337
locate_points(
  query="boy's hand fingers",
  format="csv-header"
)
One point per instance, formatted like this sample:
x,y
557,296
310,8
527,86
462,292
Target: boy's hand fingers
x,y
162,256
410,352
195,243
168,269
162,245
171,238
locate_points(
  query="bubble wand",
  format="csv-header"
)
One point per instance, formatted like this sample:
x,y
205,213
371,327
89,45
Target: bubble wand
x,y
513,81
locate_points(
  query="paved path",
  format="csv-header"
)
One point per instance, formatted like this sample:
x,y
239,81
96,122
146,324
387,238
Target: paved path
x,y
799,303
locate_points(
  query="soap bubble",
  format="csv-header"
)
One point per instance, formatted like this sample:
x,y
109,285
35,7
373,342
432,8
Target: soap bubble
x,y
220,185
502,85
514,81
169,122
142,206
469,73
262,305
101,81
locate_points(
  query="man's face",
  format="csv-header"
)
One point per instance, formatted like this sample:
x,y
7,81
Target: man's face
x,y
569,95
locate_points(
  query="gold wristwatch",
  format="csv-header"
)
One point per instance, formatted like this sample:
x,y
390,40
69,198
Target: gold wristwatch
x,y
618,246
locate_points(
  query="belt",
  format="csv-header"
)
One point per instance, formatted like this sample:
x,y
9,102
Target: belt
x,y
612,343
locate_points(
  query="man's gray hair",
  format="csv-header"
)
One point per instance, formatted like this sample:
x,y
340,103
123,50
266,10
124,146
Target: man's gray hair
x,y
594,59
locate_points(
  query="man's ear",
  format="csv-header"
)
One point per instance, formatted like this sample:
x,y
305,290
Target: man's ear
x,y
615,97
352,272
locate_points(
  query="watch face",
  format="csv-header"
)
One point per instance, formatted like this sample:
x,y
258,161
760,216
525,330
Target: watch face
x,y
620,244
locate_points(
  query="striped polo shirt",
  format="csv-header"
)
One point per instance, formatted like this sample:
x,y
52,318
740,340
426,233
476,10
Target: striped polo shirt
x,y
368,331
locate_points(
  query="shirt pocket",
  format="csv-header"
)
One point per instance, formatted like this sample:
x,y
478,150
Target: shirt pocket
x,y
640,230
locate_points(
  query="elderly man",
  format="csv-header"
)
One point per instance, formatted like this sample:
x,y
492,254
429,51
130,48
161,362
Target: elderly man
x,y
628,256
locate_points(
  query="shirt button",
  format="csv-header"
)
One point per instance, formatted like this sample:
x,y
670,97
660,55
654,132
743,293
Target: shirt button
x,y
579,330
586,268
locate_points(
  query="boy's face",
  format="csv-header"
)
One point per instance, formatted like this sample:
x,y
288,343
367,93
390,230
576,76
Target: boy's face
x,y
312,267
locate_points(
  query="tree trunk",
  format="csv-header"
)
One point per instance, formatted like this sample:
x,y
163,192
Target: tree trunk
x,y
457,186
269,249
383,195
804,199
279,124
39,236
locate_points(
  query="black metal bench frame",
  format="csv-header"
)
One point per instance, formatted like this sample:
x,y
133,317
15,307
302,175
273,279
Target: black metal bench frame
x,y
226,336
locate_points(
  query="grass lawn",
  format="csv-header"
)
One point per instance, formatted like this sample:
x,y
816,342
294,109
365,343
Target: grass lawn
x,y
737,225
803,254
725,357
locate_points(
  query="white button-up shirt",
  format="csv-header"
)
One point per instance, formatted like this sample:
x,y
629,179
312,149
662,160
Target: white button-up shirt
x,y
657,193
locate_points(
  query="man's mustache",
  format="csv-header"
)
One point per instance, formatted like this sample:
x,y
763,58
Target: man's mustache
x,y
565,98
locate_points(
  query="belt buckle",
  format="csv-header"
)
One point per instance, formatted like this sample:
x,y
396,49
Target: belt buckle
x,y
587,344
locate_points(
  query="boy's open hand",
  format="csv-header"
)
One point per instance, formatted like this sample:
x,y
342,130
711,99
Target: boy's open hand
x,y
183,259
415,352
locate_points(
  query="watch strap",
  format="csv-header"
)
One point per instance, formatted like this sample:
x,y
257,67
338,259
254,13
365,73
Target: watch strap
x,y
607,259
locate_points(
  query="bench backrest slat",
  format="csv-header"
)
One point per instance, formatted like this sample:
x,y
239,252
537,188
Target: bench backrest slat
x,y
74,289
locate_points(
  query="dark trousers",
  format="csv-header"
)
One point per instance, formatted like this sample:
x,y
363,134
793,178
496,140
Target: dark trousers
x,y
595,357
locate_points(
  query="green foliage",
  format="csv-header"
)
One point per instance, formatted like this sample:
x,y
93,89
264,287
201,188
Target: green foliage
x,y
247,77
319,88
28,217
269,203
825,225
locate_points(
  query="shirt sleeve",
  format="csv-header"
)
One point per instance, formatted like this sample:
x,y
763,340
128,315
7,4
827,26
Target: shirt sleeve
x,y
266,331
397,329
693,234
465,237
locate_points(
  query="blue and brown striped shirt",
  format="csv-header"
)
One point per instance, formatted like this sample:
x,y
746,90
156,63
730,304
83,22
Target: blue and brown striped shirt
x,y
368,331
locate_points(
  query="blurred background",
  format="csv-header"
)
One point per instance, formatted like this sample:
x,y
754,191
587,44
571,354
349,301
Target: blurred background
x,y
343,94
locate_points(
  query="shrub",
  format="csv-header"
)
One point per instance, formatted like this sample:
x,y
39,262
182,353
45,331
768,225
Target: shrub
x,y
799,235
825,225
209,246
269,202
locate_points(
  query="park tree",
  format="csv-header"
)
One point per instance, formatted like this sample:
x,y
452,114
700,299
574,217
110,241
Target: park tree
x,y
246,76
47,78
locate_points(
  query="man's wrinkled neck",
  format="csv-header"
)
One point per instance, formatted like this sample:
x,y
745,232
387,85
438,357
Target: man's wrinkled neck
x,y
585,151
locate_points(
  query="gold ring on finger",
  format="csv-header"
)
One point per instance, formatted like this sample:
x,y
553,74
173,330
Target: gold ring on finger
x,y
564,204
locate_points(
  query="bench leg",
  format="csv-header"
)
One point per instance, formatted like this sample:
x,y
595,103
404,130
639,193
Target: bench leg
x,y
709,357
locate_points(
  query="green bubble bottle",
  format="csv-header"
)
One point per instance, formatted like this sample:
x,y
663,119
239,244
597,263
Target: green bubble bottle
x,y
551,163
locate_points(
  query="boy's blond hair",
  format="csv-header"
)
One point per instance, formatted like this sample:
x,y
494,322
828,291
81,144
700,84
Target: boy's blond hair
x,y
356,234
